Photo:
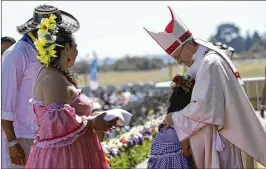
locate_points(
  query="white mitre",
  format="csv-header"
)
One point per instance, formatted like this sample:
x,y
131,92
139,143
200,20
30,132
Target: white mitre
x,y
175,35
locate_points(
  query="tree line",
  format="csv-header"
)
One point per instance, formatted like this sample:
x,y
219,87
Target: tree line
x,y
252,45
229,34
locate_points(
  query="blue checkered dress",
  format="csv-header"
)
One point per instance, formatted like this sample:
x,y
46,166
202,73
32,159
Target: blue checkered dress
x,y
166,152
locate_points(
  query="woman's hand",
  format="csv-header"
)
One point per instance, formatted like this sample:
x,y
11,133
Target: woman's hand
x,y
17,155
102,125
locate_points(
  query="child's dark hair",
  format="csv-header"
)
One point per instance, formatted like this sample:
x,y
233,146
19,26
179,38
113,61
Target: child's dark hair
x,y
180,97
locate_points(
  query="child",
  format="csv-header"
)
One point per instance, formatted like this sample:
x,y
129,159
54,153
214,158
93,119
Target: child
x,y
166,150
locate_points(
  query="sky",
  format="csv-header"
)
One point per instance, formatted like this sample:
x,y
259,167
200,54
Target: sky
x,y
115,28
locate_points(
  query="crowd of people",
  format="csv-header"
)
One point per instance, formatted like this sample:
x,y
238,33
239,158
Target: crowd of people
x,y
138,99
48,122
113,97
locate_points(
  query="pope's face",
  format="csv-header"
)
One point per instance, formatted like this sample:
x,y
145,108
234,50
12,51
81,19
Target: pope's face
x,y
183,55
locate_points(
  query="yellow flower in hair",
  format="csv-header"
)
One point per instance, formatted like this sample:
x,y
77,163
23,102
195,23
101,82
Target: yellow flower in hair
x,y
40,43
45,54
44,59
45,44
43,27
52,19
50,51
41,51
46,24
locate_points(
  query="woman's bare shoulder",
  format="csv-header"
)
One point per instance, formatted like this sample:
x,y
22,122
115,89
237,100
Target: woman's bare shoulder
x,y
55,88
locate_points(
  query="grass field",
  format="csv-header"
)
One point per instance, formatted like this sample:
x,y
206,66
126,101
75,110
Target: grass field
x,y
246,69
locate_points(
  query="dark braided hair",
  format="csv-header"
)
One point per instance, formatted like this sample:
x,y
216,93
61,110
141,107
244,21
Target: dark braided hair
x,y
63,37
178,99
181,93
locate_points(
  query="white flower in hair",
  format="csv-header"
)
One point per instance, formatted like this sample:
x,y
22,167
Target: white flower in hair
x,y
49,37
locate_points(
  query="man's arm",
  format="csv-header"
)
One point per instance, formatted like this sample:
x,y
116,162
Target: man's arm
x,y
13,65
184,126
207,101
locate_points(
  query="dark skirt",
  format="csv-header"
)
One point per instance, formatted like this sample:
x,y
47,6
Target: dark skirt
x,y
166,152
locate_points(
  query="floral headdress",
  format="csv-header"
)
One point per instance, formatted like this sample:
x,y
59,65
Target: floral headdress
x,y
185,82
45,43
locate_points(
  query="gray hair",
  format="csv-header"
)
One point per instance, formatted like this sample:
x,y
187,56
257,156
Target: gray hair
x,y
191,42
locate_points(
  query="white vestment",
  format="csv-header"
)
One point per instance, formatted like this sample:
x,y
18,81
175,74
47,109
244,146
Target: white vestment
x,y
220,121
197,58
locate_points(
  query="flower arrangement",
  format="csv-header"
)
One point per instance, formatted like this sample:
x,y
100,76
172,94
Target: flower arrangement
x,y
45,44
185,82
135,136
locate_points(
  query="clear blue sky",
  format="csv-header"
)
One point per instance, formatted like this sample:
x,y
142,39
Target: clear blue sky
x,y
116,28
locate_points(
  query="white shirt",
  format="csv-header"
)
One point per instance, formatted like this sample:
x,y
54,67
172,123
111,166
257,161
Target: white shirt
x,y
19,67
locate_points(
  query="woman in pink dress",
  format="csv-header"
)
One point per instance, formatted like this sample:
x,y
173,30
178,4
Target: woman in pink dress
x,y
66,137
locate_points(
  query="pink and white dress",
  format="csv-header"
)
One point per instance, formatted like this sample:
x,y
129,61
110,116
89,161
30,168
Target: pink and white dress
x,y
63,140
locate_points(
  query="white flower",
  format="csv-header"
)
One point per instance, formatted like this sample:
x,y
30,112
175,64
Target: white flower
x,y
48,37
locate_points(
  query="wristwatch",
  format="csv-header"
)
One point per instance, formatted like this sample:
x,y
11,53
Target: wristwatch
x,y
12,143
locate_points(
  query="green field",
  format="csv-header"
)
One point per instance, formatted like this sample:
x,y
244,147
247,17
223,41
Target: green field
x,y
246,69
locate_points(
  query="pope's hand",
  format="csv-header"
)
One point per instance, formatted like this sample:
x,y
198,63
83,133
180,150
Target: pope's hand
x,y
168,120
186,148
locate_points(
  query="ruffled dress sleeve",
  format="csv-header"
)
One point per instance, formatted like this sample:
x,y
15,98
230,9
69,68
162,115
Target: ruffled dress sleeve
x,y
59,125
